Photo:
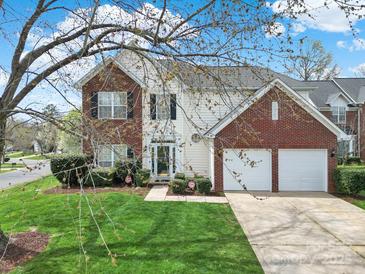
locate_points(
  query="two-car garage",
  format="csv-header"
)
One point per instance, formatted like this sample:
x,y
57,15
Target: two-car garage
x,y
296,169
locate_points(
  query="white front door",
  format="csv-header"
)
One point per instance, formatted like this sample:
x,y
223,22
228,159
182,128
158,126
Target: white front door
x,y
163,162
302,170
248,167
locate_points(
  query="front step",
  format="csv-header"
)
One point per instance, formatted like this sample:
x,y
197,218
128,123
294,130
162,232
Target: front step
x,y
159,182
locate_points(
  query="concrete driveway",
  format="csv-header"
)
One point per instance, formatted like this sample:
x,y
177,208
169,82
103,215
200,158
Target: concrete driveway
x,y
307,232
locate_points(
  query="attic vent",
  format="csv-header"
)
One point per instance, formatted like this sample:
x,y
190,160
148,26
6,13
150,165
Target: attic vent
x,y
274,111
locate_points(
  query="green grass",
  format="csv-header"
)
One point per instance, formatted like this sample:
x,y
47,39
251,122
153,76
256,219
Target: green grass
x,y
146,237
360,202
5,170
37,157
9,165
19,154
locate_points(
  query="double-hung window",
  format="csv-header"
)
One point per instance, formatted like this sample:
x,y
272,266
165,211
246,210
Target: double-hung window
x,y
163,107
112,105
109,154
339,115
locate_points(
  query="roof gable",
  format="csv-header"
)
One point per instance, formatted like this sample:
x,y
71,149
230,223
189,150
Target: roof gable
x,y
260,93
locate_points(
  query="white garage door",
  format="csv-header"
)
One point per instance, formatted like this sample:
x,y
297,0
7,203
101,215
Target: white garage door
x,y
251,167
302,170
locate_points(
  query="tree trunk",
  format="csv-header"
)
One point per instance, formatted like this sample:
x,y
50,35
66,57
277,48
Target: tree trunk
x,y
3,242
2,137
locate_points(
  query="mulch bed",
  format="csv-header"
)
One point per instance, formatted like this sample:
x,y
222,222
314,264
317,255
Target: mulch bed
x,y
195,193
142,191
22,247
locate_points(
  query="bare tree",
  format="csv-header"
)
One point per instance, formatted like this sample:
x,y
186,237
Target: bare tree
x,y
214,32
312,63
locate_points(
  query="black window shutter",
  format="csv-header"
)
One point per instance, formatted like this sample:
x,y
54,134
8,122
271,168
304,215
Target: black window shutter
x,y
173,106
130,153
130,102
94,105
153,106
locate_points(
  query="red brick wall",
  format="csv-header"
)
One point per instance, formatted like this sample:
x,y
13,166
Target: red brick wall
x,y
254,128
108,131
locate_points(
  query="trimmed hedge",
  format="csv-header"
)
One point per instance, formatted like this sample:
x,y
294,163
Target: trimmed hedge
x,y
100,176
204,185
350,179
68,168
178,186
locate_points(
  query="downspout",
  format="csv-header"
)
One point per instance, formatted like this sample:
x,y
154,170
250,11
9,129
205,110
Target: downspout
x,y
359,111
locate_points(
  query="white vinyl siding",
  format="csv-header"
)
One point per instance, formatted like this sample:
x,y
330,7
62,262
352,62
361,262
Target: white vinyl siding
x,y
112,105
109,154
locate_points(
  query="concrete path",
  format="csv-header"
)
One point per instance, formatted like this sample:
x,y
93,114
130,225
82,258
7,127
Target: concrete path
x,y
38,169
158,193
302,232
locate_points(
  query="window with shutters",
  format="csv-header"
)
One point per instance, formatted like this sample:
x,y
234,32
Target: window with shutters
x,y
163,107
109,154
112,105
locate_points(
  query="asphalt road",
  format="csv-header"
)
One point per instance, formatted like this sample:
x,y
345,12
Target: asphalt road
x,y
36,170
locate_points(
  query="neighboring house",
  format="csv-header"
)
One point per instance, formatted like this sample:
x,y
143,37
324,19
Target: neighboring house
x,y
342,101
238,125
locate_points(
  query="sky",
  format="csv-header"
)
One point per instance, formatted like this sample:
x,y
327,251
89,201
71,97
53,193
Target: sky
x,y
330,27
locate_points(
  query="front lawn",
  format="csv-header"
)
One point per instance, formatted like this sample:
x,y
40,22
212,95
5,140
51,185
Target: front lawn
x,y
144,237
10,165
19,154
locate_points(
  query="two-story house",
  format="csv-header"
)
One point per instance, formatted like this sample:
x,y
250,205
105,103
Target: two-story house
x,y
238,125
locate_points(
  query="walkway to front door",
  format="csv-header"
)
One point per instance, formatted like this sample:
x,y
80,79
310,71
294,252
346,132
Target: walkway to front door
x,y
310,232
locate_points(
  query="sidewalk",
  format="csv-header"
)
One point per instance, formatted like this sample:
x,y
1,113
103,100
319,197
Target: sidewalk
x,y
158,193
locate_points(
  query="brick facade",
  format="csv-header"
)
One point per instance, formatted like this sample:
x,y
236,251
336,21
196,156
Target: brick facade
x,y
254,128
127,131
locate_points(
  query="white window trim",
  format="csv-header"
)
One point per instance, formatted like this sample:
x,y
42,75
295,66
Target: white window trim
x,y
158,99
337,108
112,147
113,105
274,111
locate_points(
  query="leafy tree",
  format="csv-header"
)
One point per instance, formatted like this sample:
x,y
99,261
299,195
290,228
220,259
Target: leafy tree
x,y
312,63
71,143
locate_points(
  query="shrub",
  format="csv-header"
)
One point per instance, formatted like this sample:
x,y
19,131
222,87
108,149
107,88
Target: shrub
x,y
142,177
67,168
100,176
178,186
125,168
353,160
204,185
350,180
180,176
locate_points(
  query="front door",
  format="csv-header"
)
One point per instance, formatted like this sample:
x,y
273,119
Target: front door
x,y
163,160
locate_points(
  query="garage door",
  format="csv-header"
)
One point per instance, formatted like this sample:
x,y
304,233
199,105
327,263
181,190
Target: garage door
x,y
249,167
302,170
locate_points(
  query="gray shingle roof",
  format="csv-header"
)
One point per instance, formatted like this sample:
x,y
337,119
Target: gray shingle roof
x,y
248,77
355,87
322,91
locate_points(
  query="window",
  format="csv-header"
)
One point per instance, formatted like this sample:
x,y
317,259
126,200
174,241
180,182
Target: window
x,y
275,111
109,154
339,115
163,107
112,105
